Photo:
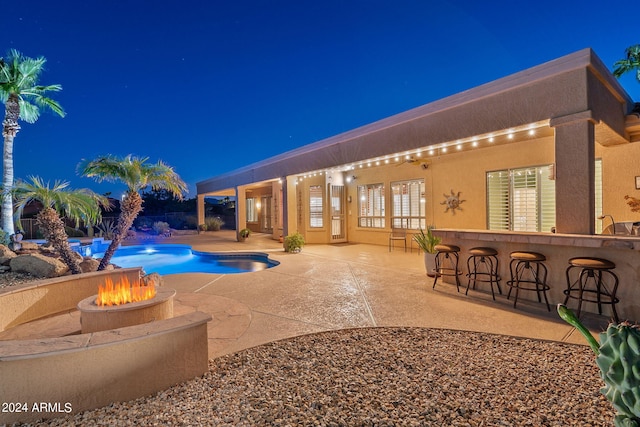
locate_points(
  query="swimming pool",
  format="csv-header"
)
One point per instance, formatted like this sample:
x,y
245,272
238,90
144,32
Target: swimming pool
x,y
173,259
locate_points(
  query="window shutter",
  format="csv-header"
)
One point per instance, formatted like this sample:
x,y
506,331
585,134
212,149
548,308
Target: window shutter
x,y
315,206
547,198
525,200
598,188
498,200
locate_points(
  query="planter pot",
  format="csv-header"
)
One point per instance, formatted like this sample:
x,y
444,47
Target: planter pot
x,y
430,264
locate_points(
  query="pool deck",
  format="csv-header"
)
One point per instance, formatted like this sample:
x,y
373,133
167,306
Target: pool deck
x,y
328,287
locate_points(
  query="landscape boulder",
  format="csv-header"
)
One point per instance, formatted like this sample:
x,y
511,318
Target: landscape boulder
x,y
152,279
38,265
89,265
6,255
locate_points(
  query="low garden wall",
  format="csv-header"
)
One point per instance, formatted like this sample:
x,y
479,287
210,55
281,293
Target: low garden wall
x,y
52,377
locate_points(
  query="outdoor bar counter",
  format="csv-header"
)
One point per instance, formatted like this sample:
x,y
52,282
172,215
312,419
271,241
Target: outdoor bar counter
x,y
623,250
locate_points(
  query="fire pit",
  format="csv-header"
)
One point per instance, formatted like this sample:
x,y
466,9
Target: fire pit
x,y
124,304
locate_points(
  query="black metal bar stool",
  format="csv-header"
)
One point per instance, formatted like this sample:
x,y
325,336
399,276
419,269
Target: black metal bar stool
x,y
482,266
447,263
590,284
528,273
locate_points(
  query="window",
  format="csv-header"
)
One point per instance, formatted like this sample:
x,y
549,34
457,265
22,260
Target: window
x,y
315,206
408,204
371,206
521,199
252,210
525,199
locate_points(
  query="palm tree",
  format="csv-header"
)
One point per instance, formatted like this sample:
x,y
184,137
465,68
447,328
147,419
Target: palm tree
x,y
59,201
23,98
630,63
137,175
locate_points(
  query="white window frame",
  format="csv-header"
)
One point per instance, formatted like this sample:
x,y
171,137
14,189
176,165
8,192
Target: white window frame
x,y
371,206
408,204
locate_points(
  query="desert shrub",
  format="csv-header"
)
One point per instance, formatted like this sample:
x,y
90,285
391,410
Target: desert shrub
x,y
191,221
161,227
142,222
106,229
73,232
213,223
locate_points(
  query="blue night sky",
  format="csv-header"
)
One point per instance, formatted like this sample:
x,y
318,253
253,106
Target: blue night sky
x,y
211,86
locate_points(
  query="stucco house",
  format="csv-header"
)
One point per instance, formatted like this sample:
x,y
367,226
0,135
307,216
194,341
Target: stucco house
x,y
568,119
551,148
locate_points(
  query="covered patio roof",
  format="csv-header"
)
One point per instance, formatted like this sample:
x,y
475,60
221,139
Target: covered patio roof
x,y
535,99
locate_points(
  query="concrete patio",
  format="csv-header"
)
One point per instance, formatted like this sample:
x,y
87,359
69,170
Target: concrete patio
x,y
328,287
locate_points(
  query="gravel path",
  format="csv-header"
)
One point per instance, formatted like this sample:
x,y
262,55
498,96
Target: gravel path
x,y
381,377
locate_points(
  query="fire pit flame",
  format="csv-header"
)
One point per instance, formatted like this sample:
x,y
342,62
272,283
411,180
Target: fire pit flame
x,y
123,292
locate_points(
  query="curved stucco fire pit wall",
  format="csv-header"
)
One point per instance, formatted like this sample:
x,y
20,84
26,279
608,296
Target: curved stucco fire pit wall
x,y
47,378
95,318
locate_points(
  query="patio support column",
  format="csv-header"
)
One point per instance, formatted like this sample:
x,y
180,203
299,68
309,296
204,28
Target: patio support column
x,y
241,210
200,209
575,173
289,205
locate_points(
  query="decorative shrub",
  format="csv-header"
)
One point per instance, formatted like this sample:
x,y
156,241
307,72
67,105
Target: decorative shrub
x,y
161,227
191,222
106,229
73,232
427,241
213,223
142,223
245,232
293,242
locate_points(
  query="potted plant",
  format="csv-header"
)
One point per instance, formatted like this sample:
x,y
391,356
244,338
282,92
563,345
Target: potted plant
x,y
244,234
293,243
427,242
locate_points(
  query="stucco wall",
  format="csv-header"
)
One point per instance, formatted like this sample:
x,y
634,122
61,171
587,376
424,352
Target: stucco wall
x,y
620,166
463,172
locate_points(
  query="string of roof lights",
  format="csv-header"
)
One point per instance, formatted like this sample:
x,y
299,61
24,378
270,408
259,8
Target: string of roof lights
x,y
425,153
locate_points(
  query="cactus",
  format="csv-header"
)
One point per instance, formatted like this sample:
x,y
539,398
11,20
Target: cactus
x,y
618,357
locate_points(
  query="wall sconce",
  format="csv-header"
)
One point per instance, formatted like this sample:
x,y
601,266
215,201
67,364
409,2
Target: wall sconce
x,y
351,178
349,199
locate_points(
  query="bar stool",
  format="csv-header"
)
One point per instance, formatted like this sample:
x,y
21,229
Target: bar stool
x,y
482,266
590,285
529,264
447,263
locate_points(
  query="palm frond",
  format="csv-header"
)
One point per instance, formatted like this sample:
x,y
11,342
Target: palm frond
x,y
28,111
134,172
82,204
19,76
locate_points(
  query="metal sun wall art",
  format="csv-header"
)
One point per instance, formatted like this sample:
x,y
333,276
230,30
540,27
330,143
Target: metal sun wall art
x,y
452,202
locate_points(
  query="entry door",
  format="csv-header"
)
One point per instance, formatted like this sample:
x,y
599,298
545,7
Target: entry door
x,y
266,225
338,226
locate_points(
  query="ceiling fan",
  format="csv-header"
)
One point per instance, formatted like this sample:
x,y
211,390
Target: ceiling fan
x,y
424,164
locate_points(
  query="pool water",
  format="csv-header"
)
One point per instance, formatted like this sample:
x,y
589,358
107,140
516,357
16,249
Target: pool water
x,y
173,259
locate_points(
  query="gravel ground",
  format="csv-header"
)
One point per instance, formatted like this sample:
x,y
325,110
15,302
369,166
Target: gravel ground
x,y
381,377
10,278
